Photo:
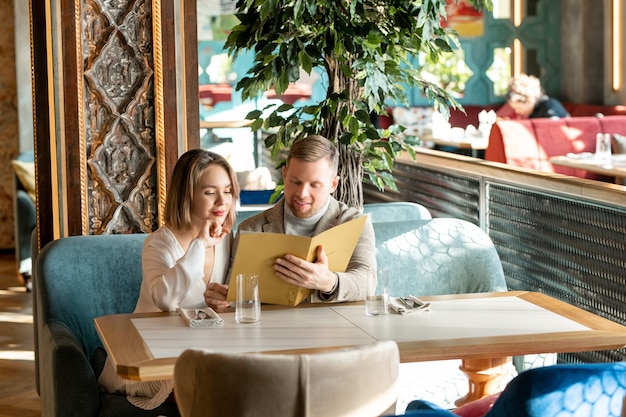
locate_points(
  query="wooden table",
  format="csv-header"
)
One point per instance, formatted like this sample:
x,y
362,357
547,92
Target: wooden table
x,y
484,330
475,145
616,168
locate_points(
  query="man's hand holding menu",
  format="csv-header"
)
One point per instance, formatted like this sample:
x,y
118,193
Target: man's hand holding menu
x,y
257,252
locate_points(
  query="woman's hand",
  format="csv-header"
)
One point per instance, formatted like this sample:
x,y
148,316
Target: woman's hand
x,y
211,233
215,296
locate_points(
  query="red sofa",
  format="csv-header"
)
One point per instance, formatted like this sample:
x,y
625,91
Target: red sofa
x,y
530,143
580,110
574,109
459,118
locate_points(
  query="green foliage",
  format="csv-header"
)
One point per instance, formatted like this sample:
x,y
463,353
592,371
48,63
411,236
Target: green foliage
x,y
449,72
362,48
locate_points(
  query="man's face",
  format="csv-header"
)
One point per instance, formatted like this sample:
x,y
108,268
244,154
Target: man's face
x,y
308,186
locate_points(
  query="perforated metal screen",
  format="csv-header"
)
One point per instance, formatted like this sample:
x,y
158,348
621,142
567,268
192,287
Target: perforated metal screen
x,y
573,250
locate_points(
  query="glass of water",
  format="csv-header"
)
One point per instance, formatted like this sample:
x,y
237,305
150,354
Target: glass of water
x,y
603,148
377,295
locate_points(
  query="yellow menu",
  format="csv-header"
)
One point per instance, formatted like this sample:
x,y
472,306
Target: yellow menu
x,y
256,253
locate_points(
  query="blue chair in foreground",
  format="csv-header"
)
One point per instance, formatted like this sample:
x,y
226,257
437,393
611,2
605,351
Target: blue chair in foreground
x,y
396,211
567,390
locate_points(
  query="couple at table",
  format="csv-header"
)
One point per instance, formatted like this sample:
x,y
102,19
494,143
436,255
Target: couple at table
x,y
186,262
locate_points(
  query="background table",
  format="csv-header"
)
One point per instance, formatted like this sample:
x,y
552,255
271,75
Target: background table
x,y
617,167
474,144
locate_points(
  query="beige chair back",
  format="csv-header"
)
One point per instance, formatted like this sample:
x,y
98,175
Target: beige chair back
x,y
359,381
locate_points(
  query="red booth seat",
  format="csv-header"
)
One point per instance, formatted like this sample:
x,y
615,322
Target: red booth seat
x,y
462,119
530,143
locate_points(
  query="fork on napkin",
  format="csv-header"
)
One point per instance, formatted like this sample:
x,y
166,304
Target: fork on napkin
x,y
408,304
201,317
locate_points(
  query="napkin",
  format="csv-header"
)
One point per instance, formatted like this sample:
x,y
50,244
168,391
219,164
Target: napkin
x,y
488,117
408,304
201,317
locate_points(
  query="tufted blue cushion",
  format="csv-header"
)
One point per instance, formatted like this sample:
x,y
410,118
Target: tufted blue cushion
x,y
442,256
572,390
88,277
396,211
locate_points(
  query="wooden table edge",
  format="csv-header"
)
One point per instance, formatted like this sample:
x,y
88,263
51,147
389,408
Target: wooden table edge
x,y
141,365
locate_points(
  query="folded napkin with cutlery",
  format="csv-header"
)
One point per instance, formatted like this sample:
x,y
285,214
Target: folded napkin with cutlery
x,y
408,304
201,317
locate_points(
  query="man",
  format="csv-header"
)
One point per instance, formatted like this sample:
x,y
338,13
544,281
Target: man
x,y
307,209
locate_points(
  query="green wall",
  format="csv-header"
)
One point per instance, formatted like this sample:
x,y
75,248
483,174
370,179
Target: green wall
x,y
539,34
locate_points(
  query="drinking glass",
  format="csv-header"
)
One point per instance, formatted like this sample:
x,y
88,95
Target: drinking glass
x,y
603,148
377,295
247,303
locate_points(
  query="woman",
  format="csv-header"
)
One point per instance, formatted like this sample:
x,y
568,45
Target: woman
x,y
527,99
185,261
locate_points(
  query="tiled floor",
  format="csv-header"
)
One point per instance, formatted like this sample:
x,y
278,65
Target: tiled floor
x,y
18,397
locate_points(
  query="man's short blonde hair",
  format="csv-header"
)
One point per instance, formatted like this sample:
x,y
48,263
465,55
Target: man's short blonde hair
x,y
312,148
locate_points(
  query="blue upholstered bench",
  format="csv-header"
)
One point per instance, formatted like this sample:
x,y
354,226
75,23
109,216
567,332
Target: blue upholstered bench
x,y
83,277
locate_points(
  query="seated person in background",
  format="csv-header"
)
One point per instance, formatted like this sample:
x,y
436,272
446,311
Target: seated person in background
x,y
307,209
526,97
185,256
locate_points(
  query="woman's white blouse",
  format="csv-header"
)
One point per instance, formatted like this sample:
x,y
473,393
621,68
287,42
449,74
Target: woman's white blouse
x,y
173,278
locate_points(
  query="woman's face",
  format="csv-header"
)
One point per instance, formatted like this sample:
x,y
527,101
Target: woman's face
x,y
523,107
212,196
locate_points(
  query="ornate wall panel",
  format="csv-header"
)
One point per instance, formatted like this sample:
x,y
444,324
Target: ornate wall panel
x,y
107,134
119,116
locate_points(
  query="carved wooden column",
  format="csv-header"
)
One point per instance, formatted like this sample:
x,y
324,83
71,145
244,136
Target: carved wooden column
x,y
104,159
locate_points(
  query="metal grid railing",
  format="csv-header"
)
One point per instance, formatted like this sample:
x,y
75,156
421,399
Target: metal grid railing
x,y
444,194
571,249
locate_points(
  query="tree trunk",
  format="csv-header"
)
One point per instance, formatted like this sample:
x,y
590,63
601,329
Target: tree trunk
x,y
350,189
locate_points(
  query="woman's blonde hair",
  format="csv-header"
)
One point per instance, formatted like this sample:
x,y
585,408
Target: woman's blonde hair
x,y
185,178
523,87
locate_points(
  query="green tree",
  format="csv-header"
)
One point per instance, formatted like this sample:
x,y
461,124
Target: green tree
x,y
362,47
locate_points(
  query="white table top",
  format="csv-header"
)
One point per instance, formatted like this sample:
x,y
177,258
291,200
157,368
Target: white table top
x,y
339,325
615,168
465,143
466,326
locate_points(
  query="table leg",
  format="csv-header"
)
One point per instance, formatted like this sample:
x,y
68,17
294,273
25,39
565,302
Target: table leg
x,y
484,376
